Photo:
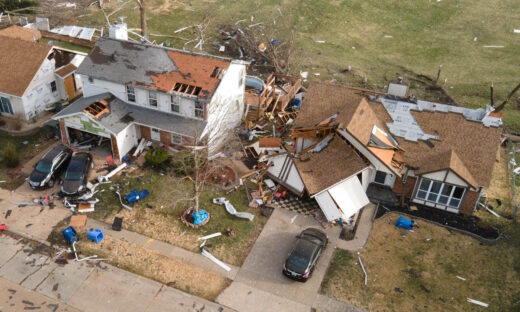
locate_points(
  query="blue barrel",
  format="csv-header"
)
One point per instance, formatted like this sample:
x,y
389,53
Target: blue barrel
x,y
404,223
70,234
95,235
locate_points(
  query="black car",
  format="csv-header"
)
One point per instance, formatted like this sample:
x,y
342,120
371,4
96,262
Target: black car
x,y
49,167
76,176
302,259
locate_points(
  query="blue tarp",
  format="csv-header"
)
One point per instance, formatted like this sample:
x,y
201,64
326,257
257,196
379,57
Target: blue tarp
x,y
199,218
404,223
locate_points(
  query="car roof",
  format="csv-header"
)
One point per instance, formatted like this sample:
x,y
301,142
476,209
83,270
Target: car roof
x,y
305,247
55,151
80,156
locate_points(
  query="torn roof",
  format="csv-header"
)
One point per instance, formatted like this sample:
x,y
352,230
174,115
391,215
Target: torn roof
x,y
20,61
334,163
22,33
152,67
121,115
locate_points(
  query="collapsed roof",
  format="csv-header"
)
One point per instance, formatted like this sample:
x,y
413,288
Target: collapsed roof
x,y
154,67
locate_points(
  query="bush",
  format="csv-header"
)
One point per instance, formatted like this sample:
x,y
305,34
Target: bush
x,y
11,157
156,157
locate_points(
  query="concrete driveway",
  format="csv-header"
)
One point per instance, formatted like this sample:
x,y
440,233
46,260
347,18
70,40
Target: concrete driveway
x,y
260,284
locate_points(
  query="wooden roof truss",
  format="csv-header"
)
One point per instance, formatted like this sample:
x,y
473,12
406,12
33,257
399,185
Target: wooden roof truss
x,y
187,89
97,109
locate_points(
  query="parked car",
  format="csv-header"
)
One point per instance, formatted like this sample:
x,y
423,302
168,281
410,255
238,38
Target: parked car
x,y
302,260
76,176
50,167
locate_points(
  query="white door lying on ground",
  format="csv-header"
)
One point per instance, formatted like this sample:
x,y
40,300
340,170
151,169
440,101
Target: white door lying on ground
x,y
156,136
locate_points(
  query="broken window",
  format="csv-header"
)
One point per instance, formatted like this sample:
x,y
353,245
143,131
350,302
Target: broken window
x,y
199,109
380,177
175,107
176,139
53,86
130,94
440,193
152,98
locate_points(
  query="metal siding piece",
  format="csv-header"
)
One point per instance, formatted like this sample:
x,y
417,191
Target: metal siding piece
x,y
349,196
327,205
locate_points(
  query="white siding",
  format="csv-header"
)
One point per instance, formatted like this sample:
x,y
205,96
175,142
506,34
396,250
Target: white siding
x,y
97,86
86,124
226,107
126,139
438,175
452,178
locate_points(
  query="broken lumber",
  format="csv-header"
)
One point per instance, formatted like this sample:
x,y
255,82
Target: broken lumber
x,y
480,303
210,236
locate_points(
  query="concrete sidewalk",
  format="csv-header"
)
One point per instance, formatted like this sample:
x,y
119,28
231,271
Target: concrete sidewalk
x,y
363,230
85,286
165,249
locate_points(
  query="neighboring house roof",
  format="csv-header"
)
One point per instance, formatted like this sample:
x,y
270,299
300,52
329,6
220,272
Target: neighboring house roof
x,y
22,33
473,143
66,70
20,61
334,163
121,115
153,67
446,160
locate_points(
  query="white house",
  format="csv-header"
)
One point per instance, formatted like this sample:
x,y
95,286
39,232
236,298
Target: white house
x,y
161,94
35,75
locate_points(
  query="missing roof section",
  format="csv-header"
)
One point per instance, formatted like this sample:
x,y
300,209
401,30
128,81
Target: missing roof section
x,y
97,109
187,89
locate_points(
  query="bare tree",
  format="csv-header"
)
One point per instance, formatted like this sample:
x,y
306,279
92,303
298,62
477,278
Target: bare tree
x,y
142,11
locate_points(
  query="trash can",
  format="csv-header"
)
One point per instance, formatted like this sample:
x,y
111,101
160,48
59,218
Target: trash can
x,y
95,235
70,234
404,223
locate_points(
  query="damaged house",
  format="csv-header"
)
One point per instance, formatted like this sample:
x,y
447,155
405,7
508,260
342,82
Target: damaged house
x,y
36,75
349,147
133,91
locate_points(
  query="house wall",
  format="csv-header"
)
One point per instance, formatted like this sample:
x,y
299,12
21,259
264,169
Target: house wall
x,y
60,84
38,94
86,124
16,105
127,139
224,112
146,132
407,188
469,201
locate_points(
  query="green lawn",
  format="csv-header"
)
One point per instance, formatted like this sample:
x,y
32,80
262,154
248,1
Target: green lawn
x,y
418,272
35,143
425,34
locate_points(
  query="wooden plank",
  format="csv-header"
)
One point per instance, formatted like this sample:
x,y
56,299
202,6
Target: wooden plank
x,y
76,41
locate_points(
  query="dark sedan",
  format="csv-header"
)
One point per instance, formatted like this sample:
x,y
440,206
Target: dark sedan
x,y
76,176
49,167
302,260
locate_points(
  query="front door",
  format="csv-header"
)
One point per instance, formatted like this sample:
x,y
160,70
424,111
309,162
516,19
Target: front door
x,y
156,135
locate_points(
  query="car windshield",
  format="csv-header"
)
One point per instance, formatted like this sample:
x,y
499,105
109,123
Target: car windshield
x,y
43,166
298,260
74,171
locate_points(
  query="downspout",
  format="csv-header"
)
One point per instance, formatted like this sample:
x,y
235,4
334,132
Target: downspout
x,y
403,182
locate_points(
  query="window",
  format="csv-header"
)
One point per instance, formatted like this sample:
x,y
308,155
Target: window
x,y
440,193
152,98
380,177
174,103
130,94
176,139
199,109
53,86
5,106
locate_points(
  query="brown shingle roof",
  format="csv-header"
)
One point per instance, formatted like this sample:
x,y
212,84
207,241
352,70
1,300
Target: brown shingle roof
x,y
474,145
336,162
21,59
65,70
446,160
22,33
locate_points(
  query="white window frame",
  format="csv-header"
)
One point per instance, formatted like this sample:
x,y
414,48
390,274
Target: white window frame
x,y
174,102
130,91
199,111
152,99
176,139
450,198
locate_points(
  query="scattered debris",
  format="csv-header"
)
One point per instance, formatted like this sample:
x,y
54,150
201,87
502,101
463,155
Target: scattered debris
x,y
293,218
134,196
117,224
493,46
95,235
210,236
363,268
206,254
480,303
121,201
231,209
3,227
8,213
461,278
404,223
78,221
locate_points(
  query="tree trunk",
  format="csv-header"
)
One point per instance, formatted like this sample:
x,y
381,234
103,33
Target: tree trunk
x,y
142,10
196,185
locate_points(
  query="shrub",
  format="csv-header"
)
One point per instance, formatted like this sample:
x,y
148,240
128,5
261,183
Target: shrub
x,y
11,157
156,157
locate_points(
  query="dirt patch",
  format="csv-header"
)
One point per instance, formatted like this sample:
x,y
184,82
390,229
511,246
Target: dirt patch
x,y
171,272
218,175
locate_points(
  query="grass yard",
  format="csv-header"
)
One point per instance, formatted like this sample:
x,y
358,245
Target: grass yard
x,y
34,144
377,38
172,272
158,216
417,272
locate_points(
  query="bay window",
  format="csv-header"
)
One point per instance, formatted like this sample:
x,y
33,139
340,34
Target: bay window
x,y
440,193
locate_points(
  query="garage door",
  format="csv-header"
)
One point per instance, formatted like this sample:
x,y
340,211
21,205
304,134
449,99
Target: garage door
x,y
327,205
349,196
